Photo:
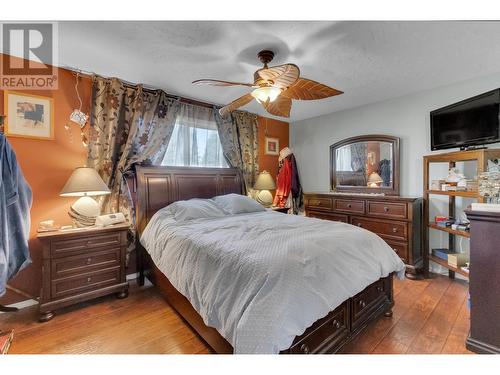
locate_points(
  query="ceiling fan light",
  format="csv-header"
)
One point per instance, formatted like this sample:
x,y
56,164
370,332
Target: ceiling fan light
x,y
263,94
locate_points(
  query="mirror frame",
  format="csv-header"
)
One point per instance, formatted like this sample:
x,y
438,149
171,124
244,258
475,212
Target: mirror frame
x,y
357,189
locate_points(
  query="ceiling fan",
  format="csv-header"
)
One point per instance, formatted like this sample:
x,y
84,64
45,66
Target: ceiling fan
x,y
274,88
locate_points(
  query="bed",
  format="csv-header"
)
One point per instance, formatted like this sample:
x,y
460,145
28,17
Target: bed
x,y
157,187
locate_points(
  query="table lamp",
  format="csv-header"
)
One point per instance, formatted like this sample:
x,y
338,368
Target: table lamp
x,y
374,180
84,182
264,183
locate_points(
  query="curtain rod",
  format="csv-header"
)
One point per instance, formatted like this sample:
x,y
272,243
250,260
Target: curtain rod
x,y
146,88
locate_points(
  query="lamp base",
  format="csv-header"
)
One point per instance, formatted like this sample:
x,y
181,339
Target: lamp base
x,y
84,212
265,198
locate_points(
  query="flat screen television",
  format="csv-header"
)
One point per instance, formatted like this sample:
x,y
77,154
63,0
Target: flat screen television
x,y
474,121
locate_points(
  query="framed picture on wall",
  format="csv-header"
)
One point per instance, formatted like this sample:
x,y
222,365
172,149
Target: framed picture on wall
x,y
28,116
272,146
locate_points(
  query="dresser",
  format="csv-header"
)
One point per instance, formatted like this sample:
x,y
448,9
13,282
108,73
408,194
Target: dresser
x,y
82,264
396,219
484,284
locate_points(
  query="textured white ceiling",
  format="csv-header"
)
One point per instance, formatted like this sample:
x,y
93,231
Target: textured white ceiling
x,y
369,61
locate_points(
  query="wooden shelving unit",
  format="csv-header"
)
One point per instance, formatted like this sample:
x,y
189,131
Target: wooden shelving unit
x,y
466,194
451,158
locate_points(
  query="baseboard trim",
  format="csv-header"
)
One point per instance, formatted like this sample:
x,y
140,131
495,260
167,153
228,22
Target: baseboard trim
x,y
132,276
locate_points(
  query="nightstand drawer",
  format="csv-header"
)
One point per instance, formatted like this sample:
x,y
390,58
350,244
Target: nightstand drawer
x,y
77,245
84,263
83,283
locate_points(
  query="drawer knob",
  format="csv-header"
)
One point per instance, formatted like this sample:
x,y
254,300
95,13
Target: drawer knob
x,y
362,303
380,289
304,349
89,279
89,260
386,209
394,230
336,323
349,205
359,225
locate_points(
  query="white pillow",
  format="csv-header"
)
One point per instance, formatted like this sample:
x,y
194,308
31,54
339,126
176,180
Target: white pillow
x,y
194,209
237,204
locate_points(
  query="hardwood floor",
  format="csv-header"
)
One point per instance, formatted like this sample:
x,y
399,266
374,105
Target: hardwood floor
x,y
430,316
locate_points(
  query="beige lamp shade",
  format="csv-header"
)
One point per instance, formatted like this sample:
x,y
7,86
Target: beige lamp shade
x,y
264,182
374,179
84,181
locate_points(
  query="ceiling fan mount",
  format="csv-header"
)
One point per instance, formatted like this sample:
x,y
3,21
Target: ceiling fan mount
x,y
274,88
265,56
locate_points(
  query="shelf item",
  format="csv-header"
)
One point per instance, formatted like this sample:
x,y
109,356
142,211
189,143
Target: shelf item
x,y
458,260
462,233
451,158
445,264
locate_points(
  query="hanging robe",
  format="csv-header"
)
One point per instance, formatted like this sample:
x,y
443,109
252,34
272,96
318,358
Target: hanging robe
x,y
15,204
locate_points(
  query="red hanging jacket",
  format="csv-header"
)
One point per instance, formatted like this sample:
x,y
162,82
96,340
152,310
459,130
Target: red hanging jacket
x,y
284,183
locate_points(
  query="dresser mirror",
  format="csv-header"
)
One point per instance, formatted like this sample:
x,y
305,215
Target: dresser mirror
x,y
365,164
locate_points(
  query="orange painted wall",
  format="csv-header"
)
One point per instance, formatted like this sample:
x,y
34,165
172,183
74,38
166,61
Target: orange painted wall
x,y
46,166
275,129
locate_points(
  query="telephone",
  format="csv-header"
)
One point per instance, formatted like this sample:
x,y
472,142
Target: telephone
x,y
109,219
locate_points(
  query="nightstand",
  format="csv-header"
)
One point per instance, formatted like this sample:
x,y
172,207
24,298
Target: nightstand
x,y
82,264
283,210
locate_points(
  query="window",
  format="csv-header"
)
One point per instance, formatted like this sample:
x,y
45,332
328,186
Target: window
x,y
195,140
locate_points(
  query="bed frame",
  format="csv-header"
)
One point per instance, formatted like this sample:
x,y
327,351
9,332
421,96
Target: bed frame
x,y
156,187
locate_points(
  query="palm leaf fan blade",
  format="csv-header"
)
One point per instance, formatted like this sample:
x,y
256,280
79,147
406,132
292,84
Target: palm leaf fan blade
x,y
280,107
235,104
218,82
307,89
282,76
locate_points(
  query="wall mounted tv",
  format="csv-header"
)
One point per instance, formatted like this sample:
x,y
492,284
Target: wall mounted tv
x,y
474,121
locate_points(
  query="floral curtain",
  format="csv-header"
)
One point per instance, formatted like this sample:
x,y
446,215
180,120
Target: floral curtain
x,y
358,156
239,139
128,126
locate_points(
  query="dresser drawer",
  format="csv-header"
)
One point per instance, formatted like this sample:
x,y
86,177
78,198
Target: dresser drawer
x,y
77,245
83,283
391,210
331,331
319,203
351,206
328,216
366,302
396,230
84,263
400,249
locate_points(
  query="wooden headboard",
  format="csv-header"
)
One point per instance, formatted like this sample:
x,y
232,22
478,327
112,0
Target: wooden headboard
x,y
158,187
